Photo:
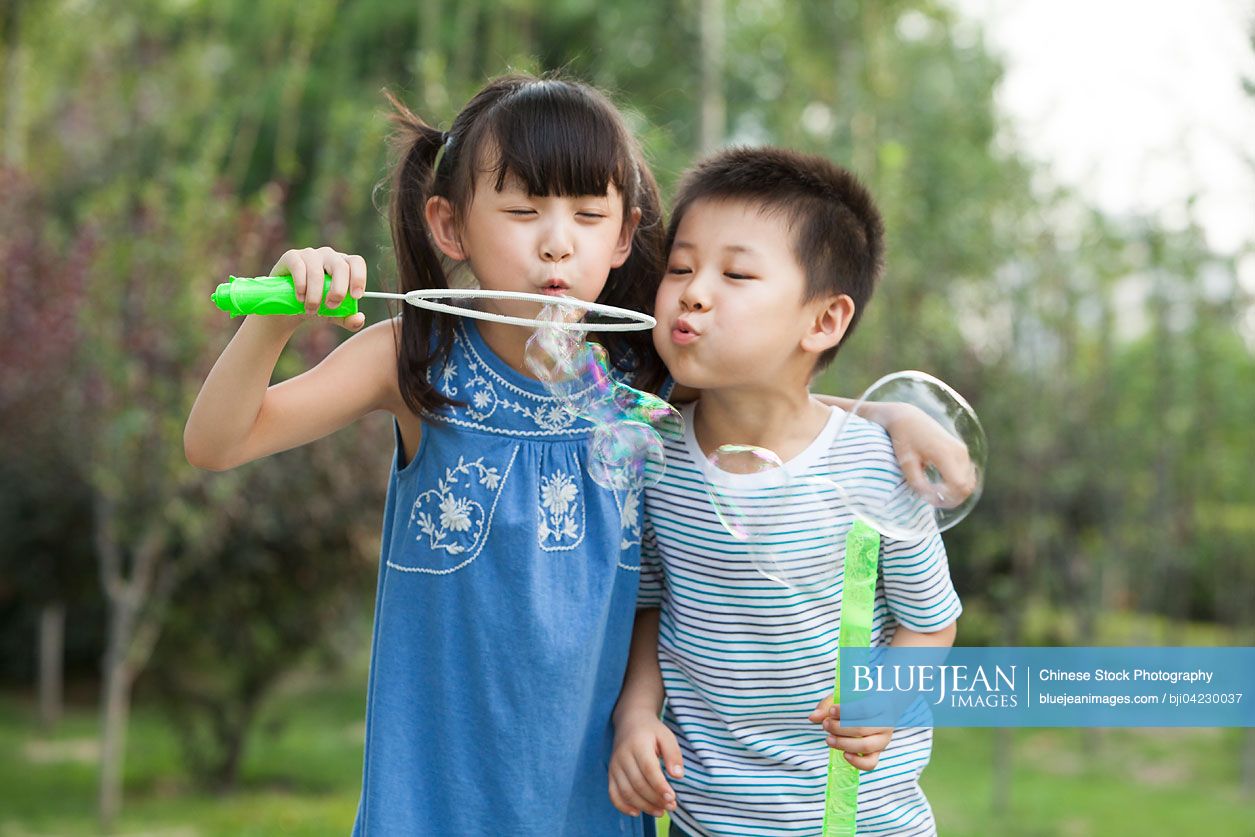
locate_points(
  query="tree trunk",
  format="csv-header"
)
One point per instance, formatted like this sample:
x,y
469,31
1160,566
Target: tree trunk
x,y
714,106
115,711
51,663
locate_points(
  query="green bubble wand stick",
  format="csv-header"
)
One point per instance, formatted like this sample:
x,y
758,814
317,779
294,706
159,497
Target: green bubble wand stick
x,y
271,295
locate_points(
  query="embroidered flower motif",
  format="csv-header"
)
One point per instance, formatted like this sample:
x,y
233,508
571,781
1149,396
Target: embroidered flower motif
x,y
481,399
557,492
559,513
631,506
455,513
489,478
460,523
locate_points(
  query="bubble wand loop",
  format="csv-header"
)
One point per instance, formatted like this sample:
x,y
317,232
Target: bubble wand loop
x,y
269,295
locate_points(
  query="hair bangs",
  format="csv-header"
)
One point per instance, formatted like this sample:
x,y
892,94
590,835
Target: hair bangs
x,y
558,140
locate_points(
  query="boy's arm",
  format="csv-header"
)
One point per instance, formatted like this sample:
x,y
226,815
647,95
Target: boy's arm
x,y
636,781
862,746
642,687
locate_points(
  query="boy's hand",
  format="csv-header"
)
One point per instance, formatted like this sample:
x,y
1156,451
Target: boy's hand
x,y
636,780
307,266
919,441
862,745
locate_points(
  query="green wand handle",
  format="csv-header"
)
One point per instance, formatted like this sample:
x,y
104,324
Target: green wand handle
x,y
862,552
273,295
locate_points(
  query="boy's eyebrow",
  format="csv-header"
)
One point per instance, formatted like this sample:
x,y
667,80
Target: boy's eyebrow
x,y
731,248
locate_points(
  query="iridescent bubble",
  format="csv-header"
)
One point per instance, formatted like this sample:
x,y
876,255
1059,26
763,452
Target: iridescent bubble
x,y
626,450
774,513
761,503
924,503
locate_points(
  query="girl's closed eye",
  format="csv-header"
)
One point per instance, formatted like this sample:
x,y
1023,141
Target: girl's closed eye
x,y
678,270
732,274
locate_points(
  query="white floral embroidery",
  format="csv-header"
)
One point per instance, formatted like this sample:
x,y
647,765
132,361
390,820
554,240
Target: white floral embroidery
x,y
455,513
557,492
473,381
629,515
447,374
560,512
458,514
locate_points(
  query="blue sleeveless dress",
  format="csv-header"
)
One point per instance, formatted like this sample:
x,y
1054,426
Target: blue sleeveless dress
x,y
507,592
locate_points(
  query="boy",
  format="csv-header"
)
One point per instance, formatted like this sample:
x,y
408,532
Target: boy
x,y
773,257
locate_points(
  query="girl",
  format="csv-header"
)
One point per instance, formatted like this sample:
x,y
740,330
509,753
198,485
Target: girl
x,y
508,578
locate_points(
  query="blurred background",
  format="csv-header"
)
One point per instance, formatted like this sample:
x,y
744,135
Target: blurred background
x,y
1069,190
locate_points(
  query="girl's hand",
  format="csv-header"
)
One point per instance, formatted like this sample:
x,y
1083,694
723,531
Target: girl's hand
x,y
636,780
862,745
307,266
919,442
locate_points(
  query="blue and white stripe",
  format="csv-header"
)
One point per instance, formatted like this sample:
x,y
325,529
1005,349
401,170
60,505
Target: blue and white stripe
x,y
745,659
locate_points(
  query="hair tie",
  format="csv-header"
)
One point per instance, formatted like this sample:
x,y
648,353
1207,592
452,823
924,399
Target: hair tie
x,y
446,140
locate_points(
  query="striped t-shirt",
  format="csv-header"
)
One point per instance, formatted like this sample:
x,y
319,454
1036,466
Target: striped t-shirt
x,y
746,659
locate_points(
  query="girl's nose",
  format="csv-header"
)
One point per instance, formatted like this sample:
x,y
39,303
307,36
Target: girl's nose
x,y
556,245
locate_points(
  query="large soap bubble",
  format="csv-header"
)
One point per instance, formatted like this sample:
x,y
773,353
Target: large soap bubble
x,y
773,508
626,449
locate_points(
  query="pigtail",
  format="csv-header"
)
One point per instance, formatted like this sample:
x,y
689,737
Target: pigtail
x,y
426,337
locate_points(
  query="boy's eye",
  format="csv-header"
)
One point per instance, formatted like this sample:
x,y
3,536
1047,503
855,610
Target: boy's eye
x,y
678,271
521,211
732,275
591,214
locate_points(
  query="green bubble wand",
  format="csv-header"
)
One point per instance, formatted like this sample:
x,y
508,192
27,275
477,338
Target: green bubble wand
x,y
275,295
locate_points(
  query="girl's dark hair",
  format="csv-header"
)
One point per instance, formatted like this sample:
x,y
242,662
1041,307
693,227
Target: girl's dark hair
x,y
559,137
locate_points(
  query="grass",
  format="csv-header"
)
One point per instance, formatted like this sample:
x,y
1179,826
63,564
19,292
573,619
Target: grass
x,y
303,766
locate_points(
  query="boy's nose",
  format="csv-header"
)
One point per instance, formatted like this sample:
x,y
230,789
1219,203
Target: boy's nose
x,y
694,297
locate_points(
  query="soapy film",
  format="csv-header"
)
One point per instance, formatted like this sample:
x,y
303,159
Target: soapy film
x,y
626,449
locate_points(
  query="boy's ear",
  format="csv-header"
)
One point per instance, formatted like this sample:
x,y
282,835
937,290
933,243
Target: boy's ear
x,y
830,324
627,232
439,214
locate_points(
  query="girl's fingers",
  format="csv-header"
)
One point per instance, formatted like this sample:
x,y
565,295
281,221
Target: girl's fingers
x,y
337,266
913,473
352,323
627,792
291,264
357,275
313,279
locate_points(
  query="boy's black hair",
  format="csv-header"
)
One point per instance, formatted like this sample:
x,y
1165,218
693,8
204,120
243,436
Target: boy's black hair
x,y
838,234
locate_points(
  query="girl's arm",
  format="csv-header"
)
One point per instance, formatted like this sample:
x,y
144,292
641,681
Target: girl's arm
x,y
237,417
917,440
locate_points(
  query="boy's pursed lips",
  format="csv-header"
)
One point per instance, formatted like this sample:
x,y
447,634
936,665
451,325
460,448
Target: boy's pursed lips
x,y
682,331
